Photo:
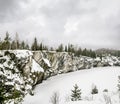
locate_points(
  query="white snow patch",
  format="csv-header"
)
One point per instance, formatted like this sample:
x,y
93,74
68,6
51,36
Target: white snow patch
x,y
22,53
47,62
36,67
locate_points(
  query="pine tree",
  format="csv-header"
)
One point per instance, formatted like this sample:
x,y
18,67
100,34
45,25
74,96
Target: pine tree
x,y
76,93
6,44
41,47
78,52
17,41
66,49
60,48
35,45
23,45
13,45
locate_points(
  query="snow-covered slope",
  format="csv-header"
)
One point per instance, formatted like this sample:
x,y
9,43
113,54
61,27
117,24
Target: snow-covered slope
x,y
103,78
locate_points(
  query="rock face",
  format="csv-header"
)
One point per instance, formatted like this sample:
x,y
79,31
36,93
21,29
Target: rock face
x,y
63,62
21,70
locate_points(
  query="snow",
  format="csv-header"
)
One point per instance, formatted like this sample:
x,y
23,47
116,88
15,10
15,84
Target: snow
x,y
22,53
36,67
47,62
103,78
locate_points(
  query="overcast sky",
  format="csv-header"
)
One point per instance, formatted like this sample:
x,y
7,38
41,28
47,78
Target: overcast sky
x,y
87,23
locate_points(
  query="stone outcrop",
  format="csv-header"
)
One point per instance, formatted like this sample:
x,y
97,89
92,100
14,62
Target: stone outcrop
x,y
63,62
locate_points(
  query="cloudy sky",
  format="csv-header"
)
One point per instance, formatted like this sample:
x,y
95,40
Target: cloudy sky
x,y
87,23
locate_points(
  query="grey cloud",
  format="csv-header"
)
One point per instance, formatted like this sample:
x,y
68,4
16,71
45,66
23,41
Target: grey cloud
x,y
10,10
88,23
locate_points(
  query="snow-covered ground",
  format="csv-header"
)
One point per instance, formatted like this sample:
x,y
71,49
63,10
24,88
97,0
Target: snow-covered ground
x,y
103,78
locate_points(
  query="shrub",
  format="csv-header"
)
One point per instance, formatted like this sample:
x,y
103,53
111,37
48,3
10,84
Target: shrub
x,y
55,98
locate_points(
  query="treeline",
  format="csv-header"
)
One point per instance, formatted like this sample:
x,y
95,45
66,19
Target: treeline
x,y
76,50
11,44
8,44
61,48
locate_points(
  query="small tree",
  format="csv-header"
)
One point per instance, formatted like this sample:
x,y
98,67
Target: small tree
x,y
119,87
76,93
94,90
55,98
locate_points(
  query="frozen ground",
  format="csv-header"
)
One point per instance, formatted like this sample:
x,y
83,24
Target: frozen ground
x,y
103,78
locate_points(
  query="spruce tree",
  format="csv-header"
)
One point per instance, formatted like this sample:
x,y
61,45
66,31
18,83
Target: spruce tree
x,y
23,45
35,45
66,49
60,48
13,45
41,47
76,93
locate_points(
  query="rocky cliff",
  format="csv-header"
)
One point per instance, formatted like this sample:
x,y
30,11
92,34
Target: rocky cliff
x,y
62,62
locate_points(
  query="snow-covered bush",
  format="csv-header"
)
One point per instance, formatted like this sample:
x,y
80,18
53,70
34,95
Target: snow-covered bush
x,y
55,98
76,93
106,97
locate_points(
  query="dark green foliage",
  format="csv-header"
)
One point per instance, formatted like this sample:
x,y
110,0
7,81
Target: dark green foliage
x,y
66,49
76,93
15,94
23,45
6,43
78,52
7,53
2,60
13,45
94,90
105,90
35,46
41,47
71,48
2,93
60,48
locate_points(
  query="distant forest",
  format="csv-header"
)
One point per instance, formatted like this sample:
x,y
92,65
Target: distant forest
x,y
8,44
